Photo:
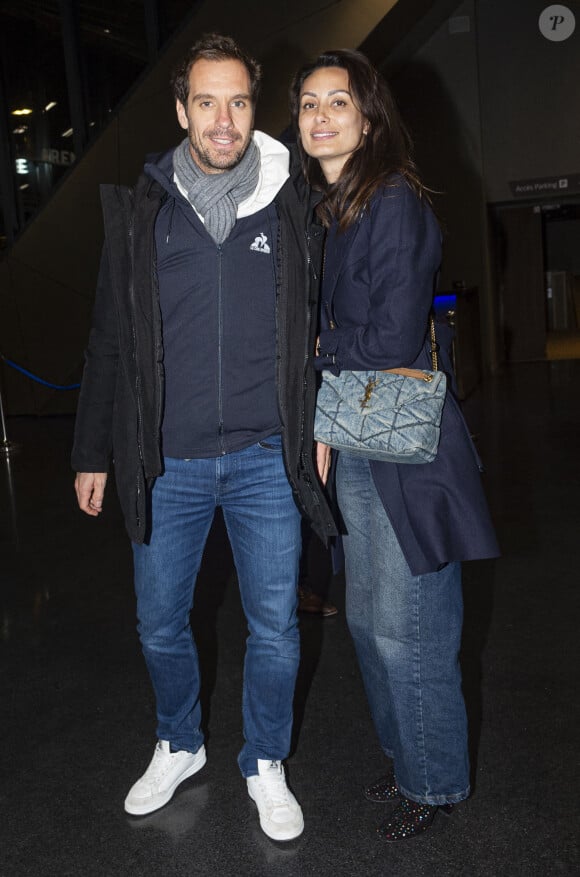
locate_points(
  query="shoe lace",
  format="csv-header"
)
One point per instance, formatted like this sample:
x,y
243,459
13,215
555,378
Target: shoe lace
x,y
275,785
160,764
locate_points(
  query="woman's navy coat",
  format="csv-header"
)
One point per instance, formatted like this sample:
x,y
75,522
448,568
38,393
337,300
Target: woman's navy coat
x,y
377,292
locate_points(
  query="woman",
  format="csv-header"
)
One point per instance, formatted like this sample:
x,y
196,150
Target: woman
x,y
407,527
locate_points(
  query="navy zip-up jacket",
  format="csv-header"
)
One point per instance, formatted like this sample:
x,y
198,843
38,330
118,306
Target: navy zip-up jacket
x,y
218,304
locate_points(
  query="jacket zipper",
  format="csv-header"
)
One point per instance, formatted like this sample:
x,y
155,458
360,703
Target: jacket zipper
x,y
130,234
220,355
309,272
160,387
279,275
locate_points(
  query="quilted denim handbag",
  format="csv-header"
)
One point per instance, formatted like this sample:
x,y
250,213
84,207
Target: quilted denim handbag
x,y
391,415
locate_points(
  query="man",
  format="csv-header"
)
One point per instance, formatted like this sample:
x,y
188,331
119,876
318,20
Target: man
x,y
198,382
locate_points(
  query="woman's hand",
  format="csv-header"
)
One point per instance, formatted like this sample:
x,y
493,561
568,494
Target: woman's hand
x,y
322,461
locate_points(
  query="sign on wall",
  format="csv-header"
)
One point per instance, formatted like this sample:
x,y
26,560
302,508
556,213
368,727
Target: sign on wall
x,y
567,184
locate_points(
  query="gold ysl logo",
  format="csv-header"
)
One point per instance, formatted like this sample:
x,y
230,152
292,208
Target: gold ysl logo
x,y
368,390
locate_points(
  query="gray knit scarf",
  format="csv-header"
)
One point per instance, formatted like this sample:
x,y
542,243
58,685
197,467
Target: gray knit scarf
x,y
216,196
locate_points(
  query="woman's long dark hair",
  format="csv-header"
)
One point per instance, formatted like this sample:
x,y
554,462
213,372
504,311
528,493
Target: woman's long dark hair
x,y
385,150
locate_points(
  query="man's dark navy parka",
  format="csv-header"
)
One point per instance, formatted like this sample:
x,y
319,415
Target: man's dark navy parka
x,y
122,394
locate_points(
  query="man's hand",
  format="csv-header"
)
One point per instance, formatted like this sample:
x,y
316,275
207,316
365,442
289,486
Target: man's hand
x,y
322,461
90,488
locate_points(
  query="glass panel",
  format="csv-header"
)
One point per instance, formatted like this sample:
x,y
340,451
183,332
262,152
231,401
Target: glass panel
x,y
114,53
37,101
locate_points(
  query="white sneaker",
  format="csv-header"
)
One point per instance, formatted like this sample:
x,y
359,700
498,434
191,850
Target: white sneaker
x,y
165,772
280,813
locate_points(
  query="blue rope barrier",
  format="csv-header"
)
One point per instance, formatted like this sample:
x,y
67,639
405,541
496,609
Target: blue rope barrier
x,y
38,380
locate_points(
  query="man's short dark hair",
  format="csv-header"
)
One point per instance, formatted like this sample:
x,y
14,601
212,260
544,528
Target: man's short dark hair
x,y
214,47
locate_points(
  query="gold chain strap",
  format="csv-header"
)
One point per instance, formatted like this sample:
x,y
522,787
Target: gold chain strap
x,y
434,354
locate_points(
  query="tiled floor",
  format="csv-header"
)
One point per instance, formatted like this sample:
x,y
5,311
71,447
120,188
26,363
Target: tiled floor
x,y
76,712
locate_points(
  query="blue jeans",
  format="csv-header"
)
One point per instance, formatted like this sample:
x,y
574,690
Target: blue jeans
x,y
263,525
407,633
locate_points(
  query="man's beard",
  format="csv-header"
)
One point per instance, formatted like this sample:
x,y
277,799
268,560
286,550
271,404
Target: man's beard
x,y
209,162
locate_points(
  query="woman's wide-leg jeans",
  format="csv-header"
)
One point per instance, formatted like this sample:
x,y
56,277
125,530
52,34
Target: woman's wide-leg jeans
x,y
407,634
